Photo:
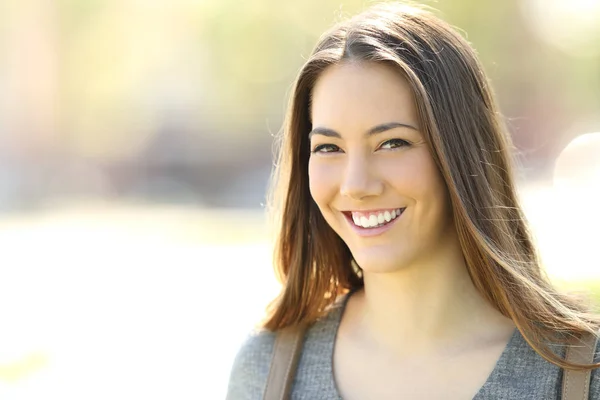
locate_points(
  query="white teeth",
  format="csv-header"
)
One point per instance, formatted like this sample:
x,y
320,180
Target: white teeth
x,y
373,220
364,222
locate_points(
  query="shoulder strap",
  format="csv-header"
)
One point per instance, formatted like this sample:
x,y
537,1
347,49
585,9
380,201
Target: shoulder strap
x,y
286,354
576,384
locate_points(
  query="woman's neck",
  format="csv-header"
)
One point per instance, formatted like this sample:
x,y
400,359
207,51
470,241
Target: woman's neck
x,y
422,308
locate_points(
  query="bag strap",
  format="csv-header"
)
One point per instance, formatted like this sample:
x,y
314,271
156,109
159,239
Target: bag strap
x,y
286,354
576,384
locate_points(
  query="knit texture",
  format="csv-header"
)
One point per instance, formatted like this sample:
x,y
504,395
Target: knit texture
x,y
520,372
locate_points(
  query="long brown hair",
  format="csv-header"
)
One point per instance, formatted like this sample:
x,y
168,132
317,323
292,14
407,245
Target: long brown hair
x,y
463,128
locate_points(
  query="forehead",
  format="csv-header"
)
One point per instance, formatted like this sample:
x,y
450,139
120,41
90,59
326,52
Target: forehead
x,y
361,95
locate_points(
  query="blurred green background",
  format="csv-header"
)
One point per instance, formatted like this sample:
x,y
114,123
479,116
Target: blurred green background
x,y
135,149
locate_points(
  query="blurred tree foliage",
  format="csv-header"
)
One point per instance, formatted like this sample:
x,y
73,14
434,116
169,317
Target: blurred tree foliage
x,y
215,74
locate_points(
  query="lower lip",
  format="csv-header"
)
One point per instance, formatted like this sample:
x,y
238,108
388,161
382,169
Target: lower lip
x,y
368,232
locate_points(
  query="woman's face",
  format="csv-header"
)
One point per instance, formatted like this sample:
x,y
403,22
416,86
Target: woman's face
x,y
370,170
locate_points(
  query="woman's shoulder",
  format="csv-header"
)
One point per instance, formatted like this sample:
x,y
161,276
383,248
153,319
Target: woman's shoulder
x,y
251,364
595,378
594,382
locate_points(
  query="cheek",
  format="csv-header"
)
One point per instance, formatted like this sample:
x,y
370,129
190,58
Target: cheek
x,y
418,177
433,184
322,177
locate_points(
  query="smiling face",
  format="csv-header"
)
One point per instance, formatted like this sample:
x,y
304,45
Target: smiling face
x,y
370,170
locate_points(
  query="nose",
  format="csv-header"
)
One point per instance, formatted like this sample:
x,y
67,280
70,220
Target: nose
x,y
360,180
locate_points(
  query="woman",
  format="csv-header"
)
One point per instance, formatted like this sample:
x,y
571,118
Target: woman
x,y
401,242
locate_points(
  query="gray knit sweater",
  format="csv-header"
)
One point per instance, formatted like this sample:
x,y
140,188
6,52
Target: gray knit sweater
x,y
520,373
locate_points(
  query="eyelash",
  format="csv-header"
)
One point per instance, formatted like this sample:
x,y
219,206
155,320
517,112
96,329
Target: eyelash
x,y
333,148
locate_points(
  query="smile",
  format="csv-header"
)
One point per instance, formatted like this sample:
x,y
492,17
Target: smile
x,y
372,220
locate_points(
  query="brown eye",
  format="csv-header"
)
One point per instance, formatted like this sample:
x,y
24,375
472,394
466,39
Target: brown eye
x,y
394,143
326,148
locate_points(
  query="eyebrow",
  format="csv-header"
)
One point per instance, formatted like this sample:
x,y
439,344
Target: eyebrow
x,y
373,131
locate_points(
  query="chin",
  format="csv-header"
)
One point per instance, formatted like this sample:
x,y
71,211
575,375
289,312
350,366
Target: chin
x,y
380,261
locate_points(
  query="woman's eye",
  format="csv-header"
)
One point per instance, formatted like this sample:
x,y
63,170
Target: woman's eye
x,y
394,143
326,148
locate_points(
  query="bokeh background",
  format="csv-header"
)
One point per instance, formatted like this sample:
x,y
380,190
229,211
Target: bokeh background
x,y
135,150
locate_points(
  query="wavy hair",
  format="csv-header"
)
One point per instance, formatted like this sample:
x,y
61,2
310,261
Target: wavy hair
x,y
472,149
